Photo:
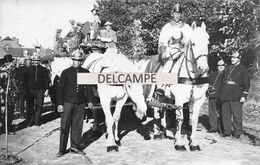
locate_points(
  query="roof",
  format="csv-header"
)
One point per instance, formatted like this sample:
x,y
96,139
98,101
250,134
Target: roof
x,y
9,42
15,52
7,39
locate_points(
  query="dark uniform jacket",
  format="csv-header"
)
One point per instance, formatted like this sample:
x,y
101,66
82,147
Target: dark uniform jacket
x,y
20,76
215,81
36,78
69,91
235,83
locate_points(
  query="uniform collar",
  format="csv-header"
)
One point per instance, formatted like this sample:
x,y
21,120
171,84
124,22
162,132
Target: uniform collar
x,y
179,24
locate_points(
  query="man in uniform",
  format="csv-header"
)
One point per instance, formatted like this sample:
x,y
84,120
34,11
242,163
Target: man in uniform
x,y
173,29
21,87
233,94
71,99
178,31
215,81
108,36
36,82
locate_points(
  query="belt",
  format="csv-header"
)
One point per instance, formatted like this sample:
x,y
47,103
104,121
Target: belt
x,y
230,82
196,81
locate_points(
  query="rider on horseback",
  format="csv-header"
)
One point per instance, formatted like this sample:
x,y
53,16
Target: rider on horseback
x,y
173,29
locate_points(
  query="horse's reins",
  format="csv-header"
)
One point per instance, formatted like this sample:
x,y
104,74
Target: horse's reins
x,y
196,80
94,61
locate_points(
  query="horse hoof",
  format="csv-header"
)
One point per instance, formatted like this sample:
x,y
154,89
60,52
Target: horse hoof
x,y
118,143
195,148
180,148
157,137
112,148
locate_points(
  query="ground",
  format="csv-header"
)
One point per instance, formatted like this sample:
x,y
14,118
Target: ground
x,y
39,145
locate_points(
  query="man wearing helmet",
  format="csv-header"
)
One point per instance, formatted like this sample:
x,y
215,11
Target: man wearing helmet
x,y
175,33
175,29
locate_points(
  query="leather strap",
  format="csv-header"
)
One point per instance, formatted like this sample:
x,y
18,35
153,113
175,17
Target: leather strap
x,y
196,81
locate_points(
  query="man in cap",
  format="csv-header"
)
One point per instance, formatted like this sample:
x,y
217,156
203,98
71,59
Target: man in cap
x,y
36,83
233,94
9,71
71,99
108,36
214,106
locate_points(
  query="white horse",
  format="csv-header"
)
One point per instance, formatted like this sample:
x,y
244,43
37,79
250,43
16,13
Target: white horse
x,y
191,68
109,62
58,65
192,82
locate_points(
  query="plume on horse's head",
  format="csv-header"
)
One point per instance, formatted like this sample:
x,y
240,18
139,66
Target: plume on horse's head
x,y
174,41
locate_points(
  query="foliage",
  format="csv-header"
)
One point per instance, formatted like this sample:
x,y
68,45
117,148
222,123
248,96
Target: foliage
x,y
231,26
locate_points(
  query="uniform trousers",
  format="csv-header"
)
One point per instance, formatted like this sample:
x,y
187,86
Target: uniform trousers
x,y
71,120
229,109
215,114
21,100
34,100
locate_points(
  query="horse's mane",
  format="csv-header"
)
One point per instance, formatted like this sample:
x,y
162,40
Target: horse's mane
x,y
93,56
200,33
112,60
120,61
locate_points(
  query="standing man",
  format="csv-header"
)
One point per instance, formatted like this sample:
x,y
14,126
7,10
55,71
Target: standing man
x,y
71,99
233,94
58,42
94,24
108,36
36,82
215,81
20,73
8,72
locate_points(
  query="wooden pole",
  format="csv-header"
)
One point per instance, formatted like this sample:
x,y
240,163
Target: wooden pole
x,y
6,111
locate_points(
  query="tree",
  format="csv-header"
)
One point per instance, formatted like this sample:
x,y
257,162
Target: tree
x,y
231,25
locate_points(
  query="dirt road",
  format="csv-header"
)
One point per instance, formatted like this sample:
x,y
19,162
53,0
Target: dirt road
x,y
134,150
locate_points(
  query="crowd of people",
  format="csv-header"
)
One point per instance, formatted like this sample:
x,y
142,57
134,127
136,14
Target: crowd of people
x,y
25,84
88,34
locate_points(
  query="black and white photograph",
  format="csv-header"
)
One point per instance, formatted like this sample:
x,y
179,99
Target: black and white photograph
x,y
130,82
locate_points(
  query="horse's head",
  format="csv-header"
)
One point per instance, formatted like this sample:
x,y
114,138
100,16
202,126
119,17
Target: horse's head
x,y
199,40
135,92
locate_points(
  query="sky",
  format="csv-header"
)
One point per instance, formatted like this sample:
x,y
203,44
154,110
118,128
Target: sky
x,y
35,21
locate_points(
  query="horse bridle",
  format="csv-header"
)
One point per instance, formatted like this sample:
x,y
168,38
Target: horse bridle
x,y
193,62
173,60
